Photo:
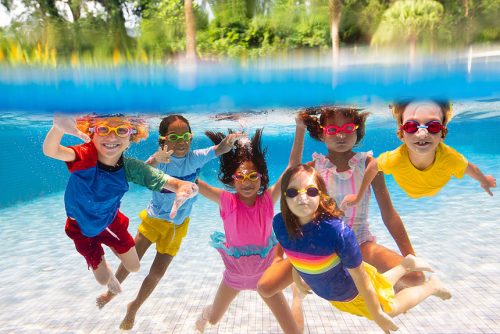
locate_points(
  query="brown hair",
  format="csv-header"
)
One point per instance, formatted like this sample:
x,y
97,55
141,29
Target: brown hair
x,y
165,123
398,108
327,205
316,117
86,123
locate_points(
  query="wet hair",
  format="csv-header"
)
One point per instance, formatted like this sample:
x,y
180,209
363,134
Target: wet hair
x,y
230,161
315,118
165,124
398,108
327,206
86,124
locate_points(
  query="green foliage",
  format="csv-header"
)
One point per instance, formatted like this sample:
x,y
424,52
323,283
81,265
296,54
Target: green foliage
x,y
408,20
238,28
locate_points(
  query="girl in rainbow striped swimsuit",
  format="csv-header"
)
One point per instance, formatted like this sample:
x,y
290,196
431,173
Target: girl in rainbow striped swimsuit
x,y
326,256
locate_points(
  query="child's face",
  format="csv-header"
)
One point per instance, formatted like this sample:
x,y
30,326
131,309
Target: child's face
x,y
422,142
303,206
247,188
341,141
180,147
110,146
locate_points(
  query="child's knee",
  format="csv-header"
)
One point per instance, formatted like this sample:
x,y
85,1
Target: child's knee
x,y
264,290
132,267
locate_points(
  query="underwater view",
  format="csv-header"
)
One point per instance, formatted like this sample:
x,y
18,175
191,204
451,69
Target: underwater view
x,y
45,286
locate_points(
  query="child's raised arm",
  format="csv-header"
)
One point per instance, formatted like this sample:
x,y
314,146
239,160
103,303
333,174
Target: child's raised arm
x,y
353,199
210,192
295,155
52,144
486,181
367,292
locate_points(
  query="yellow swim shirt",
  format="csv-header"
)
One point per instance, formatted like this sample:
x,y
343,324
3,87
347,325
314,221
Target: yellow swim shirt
x,y
418,183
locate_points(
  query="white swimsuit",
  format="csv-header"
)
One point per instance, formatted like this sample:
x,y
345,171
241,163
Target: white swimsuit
x,y
340,184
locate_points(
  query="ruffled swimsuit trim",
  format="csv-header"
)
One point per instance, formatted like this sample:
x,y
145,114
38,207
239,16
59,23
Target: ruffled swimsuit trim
x,y
218,241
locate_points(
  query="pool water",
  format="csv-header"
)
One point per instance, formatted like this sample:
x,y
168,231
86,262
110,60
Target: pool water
x,y
45,286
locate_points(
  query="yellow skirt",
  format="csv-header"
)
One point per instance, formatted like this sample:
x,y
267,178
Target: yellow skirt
x,y
383,289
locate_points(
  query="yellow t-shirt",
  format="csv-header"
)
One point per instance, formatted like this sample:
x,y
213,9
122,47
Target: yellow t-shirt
x,y
418,183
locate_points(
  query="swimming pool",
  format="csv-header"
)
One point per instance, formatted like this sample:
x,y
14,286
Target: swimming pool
x,y
45,287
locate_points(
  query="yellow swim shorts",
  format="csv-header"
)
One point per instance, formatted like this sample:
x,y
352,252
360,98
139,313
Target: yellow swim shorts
x,y
167,236
383,289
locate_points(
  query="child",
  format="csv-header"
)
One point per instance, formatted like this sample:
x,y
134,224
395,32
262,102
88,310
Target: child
x,y
325,253
247,247
174,158
342,169
423,164
99,179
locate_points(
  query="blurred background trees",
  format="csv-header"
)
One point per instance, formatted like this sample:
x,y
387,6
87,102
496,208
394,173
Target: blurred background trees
x,y
159,31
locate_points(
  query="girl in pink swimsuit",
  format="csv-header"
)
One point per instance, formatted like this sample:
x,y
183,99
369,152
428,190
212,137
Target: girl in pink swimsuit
x,y
247,247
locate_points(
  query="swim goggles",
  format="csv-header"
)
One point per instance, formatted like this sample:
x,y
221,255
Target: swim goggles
x,y
311,192
413,126
253,176
121,130
174,137
332,130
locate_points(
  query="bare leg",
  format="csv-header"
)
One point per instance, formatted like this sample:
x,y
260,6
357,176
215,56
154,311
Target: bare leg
x,y
409,264
385,259
213,313
297,311
283,314
104,276
157,271
141,246
408,298
276,278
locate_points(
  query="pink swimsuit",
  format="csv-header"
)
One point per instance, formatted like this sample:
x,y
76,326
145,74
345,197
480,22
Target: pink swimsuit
x,y
247,247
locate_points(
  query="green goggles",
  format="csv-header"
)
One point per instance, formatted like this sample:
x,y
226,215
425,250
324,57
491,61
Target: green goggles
x,y
174,137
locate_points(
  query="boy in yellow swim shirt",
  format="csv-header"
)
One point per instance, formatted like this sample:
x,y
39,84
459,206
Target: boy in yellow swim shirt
x,y
423,164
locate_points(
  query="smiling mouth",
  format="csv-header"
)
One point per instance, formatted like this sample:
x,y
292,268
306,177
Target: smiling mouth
x,y
111,146
422,143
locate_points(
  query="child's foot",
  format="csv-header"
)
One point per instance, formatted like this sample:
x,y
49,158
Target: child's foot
x,y
202,320
439,289
114,285
128,321
103,299
413,263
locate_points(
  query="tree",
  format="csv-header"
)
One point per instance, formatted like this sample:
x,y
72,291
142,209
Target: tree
x,y
408,20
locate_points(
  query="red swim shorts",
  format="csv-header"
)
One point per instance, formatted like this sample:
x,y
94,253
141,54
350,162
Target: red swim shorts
x,y
115,236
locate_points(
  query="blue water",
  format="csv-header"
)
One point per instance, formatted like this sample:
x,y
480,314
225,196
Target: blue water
x,y
45,287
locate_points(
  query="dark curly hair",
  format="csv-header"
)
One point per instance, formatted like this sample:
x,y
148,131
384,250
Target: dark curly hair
x,y
315,124
230,161
165,123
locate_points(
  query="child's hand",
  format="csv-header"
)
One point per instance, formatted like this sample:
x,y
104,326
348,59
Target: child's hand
x,y
299,122
385,322
185,190
227,144
299,282
162,156
68,125
491,182
349,201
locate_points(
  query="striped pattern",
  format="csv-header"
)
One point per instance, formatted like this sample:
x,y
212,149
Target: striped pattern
x,y
344,183
312,264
